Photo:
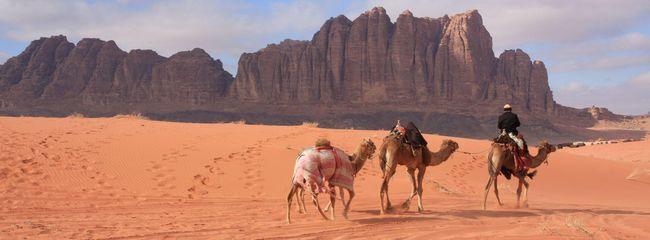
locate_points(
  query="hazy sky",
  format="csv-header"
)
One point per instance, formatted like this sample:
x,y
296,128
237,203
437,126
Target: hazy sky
x,y
597,52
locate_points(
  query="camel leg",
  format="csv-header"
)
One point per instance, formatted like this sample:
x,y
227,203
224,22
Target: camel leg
x,y
329,204
332,201
314,198
300,199
496,190
347,206
487,189
421,172
521,182
388,173
342,193
289,198
384,183
526,193
407,203
389,205
384,191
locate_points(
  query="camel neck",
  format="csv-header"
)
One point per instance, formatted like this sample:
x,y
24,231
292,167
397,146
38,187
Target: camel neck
x,y
440,156
538,159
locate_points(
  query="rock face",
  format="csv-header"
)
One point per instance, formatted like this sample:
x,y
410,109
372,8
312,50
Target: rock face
x,y
600,113
98,74
448,60
363,73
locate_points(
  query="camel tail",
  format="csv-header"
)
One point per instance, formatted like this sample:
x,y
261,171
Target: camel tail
x,y
382,158
382,162
490,164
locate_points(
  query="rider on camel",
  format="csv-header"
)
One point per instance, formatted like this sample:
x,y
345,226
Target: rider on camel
x,y
508,123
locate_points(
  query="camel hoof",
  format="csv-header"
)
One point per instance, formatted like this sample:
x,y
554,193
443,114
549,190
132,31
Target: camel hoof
x,y
406,205
345,215
420,210
525,205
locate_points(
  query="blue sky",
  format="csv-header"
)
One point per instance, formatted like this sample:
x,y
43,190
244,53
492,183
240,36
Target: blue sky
x,y
597,52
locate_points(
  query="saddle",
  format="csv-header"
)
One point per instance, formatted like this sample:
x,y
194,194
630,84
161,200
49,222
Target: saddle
x,y
409,135
521,160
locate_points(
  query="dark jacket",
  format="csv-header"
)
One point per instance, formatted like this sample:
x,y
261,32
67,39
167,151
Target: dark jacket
x,y
509,121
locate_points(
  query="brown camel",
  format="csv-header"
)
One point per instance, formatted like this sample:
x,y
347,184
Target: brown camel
x,y
363,152
501,156
393,152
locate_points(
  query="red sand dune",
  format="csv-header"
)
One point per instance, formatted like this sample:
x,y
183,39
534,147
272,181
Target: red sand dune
x,y
123,178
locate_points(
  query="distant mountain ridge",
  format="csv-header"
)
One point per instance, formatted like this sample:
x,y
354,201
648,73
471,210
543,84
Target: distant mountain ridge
x,y
361,73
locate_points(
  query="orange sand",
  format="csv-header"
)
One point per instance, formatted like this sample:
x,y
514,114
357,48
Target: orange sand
x,y
127,178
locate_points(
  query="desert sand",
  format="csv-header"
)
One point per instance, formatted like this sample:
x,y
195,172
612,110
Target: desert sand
x,y
131,178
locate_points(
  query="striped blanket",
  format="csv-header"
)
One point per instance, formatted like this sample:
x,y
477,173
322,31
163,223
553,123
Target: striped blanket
x,y
315,166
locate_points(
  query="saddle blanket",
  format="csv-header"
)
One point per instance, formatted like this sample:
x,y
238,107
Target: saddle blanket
x,y
315,166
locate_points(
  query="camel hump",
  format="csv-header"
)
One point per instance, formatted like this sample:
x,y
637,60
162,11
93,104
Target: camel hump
x,y
323,142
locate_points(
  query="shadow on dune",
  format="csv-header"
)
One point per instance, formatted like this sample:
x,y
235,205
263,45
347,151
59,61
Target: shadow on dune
x,y
400,216
590,211
451,213
482,213
396,219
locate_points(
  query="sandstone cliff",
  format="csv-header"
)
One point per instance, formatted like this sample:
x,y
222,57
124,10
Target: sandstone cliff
x,y
363,73
445,61
98,74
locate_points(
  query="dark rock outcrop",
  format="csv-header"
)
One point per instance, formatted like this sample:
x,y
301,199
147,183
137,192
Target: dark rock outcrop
x,y
446,61
97,74
361,73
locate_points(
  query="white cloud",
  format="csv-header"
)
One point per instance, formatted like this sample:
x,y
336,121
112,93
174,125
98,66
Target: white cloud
x,y
514,23
221,27
3,57
629,97
602,63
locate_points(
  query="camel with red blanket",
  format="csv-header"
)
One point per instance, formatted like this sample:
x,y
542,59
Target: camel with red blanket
x,y
501,158
323,164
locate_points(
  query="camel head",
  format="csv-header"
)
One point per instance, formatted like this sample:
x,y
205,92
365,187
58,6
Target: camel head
x,y
367,148
545,146
449,144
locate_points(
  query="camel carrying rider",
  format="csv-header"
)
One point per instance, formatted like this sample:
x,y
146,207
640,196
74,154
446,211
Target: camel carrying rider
x,y
508,123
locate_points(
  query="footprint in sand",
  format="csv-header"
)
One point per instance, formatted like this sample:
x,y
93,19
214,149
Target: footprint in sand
x,y
200,186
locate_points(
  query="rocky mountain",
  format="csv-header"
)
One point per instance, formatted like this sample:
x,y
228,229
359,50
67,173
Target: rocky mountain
x,y
448,60
55,75
364,73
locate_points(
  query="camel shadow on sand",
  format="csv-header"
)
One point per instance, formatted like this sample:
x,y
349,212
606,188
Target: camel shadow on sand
x,y
551,211
403,216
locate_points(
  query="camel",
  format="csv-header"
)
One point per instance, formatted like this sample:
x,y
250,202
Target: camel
x,y
393,152
501,156
301,183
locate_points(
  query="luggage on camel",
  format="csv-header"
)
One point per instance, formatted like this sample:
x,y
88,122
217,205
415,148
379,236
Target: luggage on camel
x,y
522,162
409,135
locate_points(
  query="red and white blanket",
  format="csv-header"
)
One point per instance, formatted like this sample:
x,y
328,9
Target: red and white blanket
x,y
315,166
